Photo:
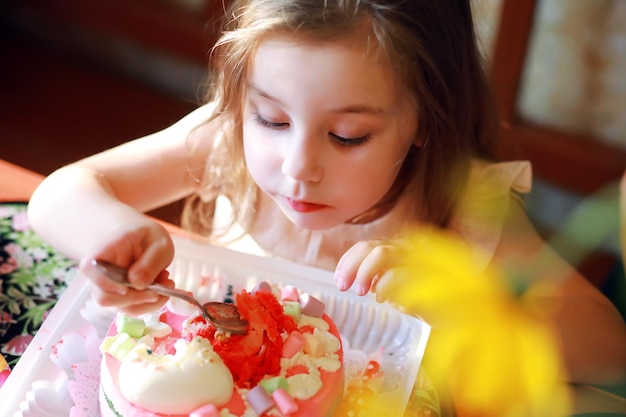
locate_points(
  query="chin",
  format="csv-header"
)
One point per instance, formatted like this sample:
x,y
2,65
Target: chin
x,y
316,221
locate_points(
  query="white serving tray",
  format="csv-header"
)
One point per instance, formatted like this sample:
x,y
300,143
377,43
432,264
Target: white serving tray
x,y
58,373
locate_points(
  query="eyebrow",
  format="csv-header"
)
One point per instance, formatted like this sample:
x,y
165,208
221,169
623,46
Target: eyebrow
x,y
358,108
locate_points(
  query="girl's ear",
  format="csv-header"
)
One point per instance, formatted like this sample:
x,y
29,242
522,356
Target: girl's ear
x,y
420,141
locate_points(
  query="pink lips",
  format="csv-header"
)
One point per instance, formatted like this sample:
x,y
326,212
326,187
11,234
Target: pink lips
x,y
302,206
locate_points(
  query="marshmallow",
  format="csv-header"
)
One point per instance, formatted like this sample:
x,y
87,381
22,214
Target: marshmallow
x,y
272,384
259,400
289,293
311,306
208,410
284,402
293,309
293,344
262,286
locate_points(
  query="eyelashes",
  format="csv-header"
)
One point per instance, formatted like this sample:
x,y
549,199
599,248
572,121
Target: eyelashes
x,y
340,140
271,125
349,141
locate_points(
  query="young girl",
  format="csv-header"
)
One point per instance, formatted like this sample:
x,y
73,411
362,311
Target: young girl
x,y
330,129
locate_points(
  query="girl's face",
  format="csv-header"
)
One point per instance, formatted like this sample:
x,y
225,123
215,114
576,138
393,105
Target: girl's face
x,y
325,129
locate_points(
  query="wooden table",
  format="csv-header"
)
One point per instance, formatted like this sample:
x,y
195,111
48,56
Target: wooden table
x,y
18,184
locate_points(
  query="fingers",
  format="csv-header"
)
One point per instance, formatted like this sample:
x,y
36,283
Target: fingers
x,y
151,261
134,302
364,263
104,283
145,250
386,286
108,293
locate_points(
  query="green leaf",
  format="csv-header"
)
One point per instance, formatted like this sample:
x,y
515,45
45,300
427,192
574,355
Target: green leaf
x,y
15,294
14,307
22,278
36,313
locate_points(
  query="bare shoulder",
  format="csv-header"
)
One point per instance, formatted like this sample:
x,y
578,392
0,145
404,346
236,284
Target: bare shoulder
x,y
523,248
197,120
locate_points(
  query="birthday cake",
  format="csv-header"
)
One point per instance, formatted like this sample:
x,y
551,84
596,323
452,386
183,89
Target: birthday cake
x,y
174,362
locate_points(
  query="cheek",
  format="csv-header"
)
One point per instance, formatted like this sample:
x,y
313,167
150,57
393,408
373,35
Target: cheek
x,y
261,158
379,182
368,181
377,174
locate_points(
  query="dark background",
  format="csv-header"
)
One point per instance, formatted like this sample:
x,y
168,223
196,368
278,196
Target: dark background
x,y
80,76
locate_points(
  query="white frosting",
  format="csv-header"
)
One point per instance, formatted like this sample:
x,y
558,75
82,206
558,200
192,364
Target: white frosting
x,y
154,326
316,322
175,384
181,307
331,343
305,386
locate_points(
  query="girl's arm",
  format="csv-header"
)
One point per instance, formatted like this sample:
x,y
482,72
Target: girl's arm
x,y
93,207
591,330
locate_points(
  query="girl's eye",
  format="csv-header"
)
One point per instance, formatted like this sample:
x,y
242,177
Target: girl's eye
x,y
340,140
271,125
349,141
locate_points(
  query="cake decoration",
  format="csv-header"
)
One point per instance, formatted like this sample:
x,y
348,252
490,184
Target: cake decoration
x,y
289,363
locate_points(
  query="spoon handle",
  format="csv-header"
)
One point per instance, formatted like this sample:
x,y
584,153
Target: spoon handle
x,y
174,292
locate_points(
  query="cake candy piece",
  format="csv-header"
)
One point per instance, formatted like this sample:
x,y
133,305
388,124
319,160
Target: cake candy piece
x,y
289,293
262,286
313,346
208,410
132,326
272,384
294,343
284,402
259,400
311,306
293,309
118,346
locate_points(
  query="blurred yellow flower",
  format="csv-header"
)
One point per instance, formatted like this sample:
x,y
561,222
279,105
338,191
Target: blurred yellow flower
x,y
495,353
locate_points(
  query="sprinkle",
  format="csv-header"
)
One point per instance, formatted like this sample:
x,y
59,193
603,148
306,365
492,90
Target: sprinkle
x,y
372,368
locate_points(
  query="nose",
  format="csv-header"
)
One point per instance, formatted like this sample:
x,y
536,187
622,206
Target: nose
x,y
302,159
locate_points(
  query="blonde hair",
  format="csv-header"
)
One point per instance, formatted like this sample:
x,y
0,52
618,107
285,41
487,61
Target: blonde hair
x,y
431,47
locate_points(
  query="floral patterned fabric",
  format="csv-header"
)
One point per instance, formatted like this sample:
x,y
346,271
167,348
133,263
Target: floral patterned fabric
x,y
32,278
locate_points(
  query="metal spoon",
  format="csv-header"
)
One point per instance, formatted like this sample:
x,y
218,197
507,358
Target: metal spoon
x,y
224,316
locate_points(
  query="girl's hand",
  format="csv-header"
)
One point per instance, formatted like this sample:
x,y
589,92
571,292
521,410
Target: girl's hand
x,y
143,247
371,266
